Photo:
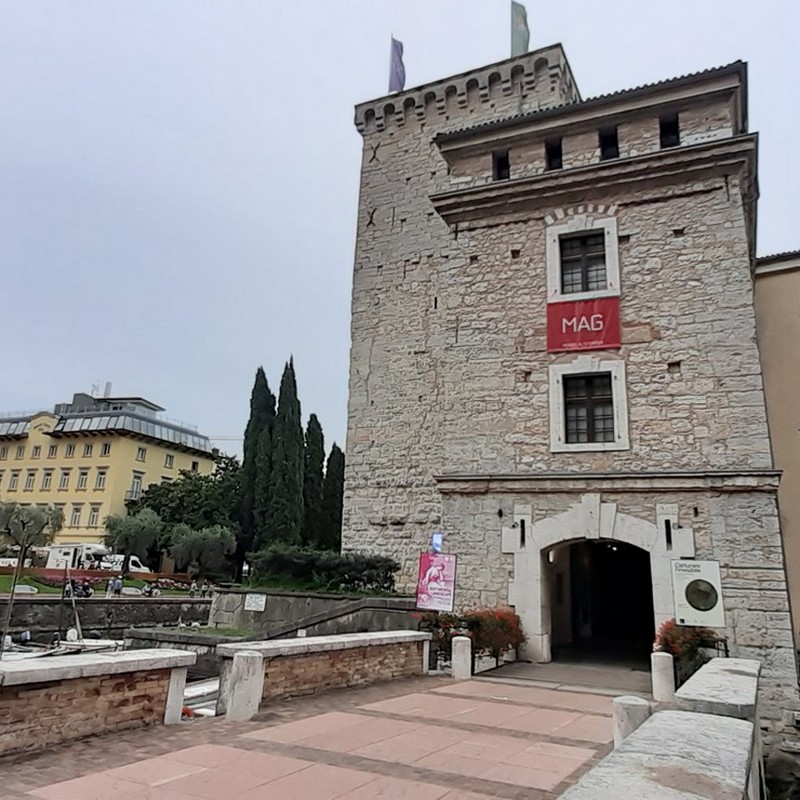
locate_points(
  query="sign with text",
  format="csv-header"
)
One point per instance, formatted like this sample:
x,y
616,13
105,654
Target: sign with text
x,y
436,584
255,602
697,590
583,325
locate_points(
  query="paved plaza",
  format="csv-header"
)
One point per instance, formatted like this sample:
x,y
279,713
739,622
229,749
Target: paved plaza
x,y
426,738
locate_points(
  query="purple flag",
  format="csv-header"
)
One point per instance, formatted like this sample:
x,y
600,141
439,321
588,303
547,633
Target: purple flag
x,y
397,72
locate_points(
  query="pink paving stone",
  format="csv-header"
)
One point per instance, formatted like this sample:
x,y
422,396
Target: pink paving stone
x,y
320,782
268,766
408,747
588,728
523,776
154,771
290,732
542,720
216,783
461,794
93,787
206,755
371,731
396,789
424,705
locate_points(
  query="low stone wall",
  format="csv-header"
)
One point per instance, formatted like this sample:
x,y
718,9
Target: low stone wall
x,y
293,667
317,613
44,615
47,701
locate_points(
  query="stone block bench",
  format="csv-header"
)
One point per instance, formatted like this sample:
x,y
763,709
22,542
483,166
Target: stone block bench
x,y
52,699
254,673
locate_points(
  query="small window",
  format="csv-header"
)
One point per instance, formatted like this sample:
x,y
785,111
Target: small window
x,y
501,166
63,481
2,475
195,466
588,408
106,449
30,479
3,453
583,263
669,131
13,481
609,145
100,482
20,451
47,480
141,454
87,450
70,451
52,451
553,155
94,516
83,479
75,519
36,452
169,461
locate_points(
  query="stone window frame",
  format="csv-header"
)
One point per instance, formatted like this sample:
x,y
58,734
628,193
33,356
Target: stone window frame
x,y
582,365
581,223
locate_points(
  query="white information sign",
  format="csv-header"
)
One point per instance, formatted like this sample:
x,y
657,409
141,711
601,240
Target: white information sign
x,y
255,602
697,590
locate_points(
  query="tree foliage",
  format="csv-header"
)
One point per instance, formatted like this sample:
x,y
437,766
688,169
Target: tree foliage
x,y
202,552
332,500
133,534
313,466
256,466
25,527
285,518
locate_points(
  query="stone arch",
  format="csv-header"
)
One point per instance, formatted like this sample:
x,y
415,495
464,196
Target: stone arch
x,y
529,591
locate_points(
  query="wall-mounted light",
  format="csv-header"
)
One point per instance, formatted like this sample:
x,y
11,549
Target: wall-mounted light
x,y
551,556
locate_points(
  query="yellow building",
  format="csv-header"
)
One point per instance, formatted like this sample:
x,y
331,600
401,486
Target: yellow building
x,y
89,456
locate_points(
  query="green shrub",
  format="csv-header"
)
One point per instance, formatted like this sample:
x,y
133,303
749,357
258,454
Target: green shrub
x,y
325,570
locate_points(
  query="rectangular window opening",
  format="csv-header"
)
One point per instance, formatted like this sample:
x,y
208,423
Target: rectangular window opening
x,y
669,131
609,144
37,451
52,451
501,166
588,408
553,154
106,450
583,263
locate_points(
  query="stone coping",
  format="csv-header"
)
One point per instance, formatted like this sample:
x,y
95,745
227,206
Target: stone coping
x,y
674,755
183,636
85,665
724,686
318,644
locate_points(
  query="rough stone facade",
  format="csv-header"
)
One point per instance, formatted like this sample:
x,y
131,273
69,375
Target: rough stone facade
x,y
293,676
37,716
453,421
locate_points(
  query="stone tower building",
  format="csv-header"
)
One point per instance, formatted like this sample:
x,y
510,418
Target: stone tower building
x,y
554,358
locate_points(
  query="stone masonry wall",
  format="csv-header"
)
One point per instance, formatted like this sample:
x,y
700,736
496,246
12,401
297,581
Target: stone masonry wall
x,y
292,676
41,715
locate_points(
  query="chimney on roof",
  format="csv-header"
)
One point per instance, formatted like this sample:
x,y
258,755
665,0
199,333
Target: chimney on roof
x,y
107,390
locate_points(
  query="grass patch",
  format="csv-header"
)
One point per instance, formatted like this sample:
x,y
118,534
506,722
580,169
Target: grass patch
x,y
5,586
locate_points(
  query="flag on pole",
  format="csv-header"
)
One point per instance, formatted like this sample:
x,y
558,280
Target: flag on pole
x,y
520,34
397,72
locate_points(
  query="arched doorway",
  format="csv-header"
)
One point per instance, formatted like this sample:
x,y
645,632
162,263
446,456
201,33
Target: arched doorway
x,y
601,602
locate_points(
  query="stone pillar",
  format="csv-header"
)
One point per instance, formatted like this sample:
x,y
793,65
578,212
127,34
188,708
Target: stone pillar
x,y
629,713
245,686
462,658
174,708
663,676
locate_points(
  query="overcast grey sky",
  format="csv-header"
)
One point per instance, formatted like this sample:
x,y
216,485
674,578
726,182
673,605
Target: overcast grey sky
x,y
179,178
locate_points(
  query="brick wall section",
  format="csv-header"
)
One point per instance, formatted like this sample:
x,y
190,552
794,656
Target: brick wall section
x,y
291,676
39,715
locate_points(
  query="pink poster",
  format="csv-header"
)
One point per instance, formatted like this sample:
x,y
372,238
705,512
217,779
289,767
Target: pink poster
x,y
436,584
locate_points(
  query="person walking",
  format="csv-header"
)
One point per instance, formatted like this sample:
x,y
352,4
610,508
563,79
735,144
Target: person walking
x,y
118,586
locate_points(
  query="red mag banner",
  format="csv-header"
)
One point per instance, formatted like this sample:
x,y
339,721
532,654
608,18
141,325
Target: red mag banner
x,y
583,325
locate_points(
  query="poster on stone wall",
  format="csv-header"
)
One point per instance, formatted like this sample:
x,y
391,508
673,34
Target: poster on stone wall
x,y
583,325
436,583
255,602
697,589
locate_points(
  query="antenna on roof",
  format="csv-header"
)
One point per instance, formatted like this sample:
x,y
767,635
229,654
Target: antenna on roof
x,y
95,389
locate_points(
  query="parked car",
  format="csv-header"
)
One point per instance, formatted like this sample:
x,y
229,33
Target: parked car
x,y
115,562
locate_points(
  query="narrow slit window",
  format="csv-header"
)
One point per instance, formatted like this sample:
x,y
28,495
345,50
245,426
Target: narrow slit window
x,y
669,131
609,144
501,166
553,154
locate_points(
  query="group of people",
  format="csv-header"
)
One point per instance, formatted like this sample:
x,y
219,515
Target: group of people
x,y
74,588
204,588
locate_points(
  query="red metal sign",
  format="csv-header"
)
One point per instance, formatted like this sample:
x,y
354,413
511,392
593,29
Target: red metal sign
x,y
583,325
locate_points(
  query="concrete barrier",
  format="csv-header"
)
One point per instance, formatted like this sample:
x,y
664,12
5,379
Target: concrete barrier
x,y
462,657
47,701
293,667
629,713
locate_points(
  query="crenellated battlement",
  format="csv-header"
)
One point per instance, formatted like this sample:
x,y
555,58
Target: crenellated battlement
x,y
537,80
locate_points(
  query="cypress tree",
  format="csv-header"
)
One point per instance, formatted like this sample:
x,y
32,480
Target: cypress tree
x,y
262,410
314,463
286,479
263,478
332,500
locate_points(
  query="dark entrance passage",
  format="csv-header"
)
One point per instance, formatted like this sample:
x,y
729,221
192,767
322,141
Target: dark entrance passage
x,y
602,604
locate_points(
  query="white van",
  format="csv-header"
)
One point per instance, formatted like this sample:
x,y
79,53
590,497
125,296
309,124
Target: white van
x,y
115,562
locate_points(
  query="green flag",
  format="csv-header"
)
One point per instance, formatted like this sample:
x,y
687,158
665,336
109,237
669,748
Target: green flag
x,y
520,35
